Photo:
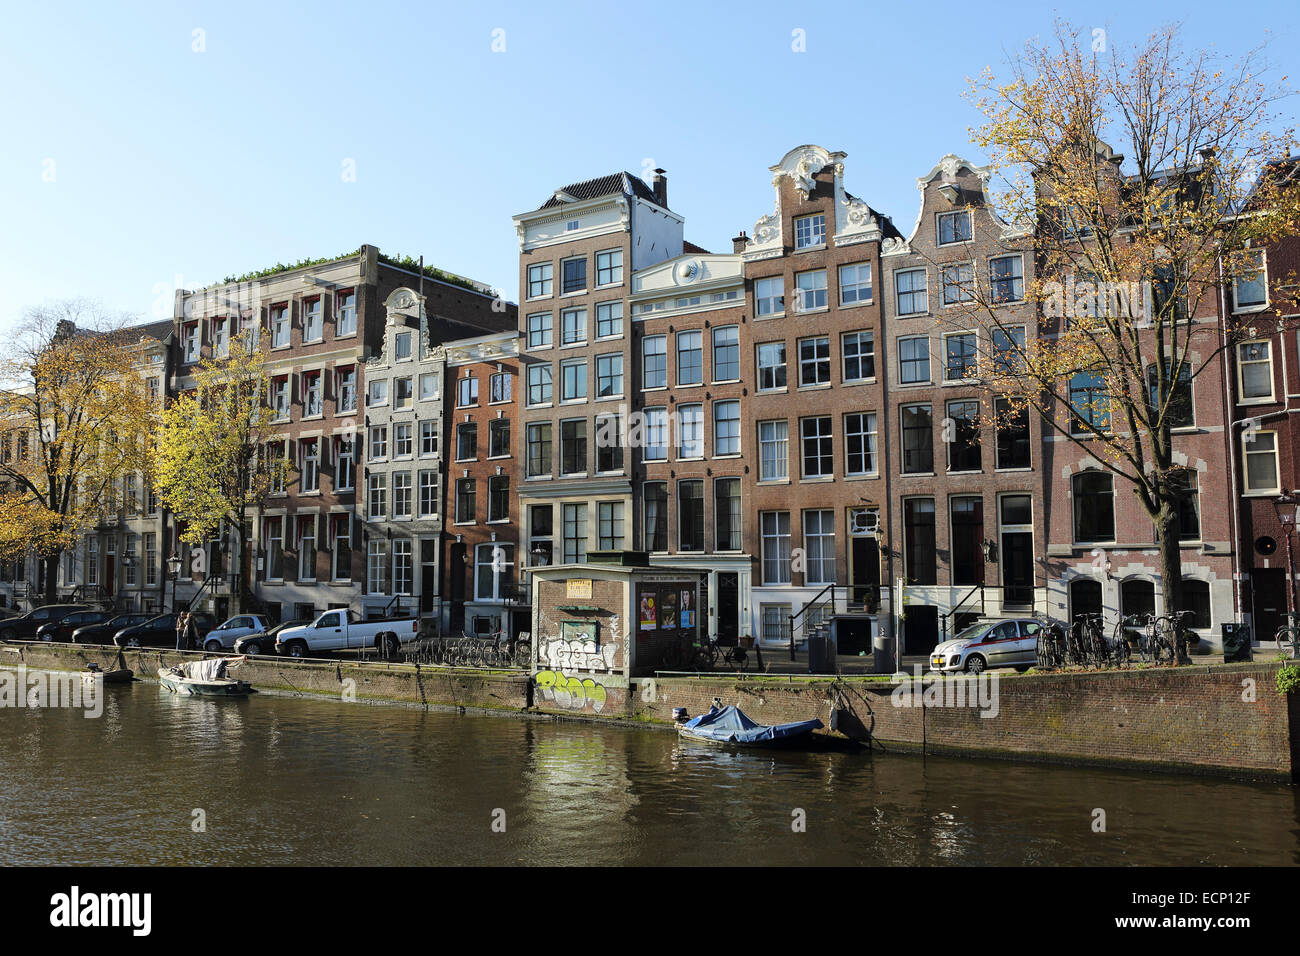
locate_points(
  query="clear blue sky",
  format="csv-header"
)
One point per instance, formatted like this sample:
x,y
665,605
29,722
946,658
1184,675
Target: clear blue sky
x,y
173,164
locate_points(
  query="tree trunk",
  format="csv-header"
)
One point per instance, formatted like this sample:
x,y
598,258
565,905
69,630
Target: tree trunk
x,y
243,590
1171,571
51,577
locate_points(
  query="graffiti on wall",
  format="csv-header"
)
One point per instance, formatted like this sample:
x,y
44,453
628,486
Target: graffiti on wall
x,y
577,655
572,693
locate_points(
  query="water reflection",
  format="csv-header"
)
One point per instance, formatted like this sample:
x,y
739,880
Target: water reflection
x,y
288,780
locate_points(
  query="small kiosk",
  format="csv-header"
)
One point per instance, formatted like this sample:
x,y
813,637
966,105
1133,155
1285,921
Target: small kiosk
x,y
598,625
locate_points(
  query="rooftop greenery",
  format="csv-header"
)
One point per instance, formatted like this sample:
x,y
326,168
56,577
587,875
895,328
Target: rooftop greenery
x,y
398,261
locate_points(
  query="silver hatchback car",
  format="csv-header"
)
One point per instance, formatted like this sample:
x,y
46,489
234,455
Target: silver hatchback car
x,y
985,644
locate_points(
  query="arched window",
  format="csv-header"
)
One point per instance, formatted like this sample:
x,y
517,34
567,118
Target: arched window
x,y
1085,597
1137,597
1094,506
1196,598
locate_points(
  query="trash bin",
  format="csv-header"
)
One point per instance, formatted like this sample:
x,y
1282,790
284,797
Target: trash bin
x,y
1236,642
822,648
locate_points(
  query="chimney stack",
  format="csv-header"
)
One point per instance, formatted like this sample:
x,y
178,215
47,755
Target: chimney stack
x,y
738,243
660,184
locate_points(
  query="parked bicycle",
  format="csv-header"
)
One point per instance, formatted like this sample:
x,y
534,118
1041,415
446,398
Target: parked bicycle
x,y
1053,646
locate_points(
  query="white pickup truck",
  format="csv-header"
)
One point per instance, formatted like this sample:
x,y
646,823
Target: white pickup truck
x,y
341,629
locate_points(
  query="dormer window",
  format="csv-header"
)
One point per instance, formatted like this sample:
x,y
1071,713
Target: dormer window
x,y
810,231
954,227
402,346
571,225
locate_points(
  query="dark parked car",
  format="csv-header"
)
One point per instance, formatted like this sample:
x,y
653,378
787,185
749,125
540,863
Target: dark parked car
x,y
24,627
160,631
265,643
102,633
62,629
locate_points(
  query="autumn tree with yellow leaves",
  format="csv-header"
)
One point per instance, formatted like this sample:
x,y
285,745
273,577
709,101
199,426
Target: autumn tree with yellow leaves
x,y
213,462
75,420
1142,179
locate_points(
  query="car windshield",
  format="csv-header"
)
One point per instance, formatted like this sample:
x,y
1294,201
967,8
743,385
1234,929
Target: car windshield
x,y
972,632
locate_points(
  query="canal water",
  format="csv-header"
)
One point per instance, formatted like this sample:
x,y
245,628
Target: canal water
x,y
284,780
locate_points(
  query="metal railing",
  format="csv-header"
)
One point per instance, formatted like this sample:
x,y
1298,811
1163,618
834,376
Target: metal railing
x,y
809,605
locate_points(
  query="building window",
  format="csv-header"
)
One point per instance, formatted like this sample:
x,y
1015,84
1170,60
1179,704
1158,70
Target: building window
x,y
573,380
1196,598
467,392
539,384
499,498
499,387
541,527
274,549
690,515
812,289
575,533
499,438
494,571
954,227
1009,351
1089,404
377,496
1085,597
280,397
378,393
466,500
656,434
307,548
771,365
655,496
1189,510
574,273
539,450
860,443
313,321
726,428
859,351
221,337
855,284
573,326
573,446
345,382
1259,451
726,354
774,451
690,358
279,326
775,528
1007,279
609,375
539,330
818,458
609,267
967,527
190,341
769,295
313,394
810,231
403,577
1012,426
1094,507
609,320
1255,371
776,623
690,431
150,559
963,436
428,494
430,386
310,464
1176,402
910,292
815,361
376,566
819,546
1137,598
958,283
341,533
654,361
401,494
1250,283
919,551
466,441
918,439
92,561
403,392
539,280
346,321
345,464
913,360
959,349
428,438
129,566
726,514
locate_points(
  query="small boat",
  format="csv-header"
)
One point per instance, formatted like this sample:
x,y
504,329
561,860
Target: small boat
x,y
123,675
205,678
731,725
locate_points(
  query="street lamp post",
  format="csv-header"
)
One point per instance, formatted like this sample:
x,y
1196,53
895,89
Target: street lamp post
x,y
174,569
1285,507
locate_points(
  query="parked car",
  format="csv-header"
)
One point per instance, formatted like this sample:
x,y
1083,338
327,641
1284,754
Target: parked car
x,y
341,629
24,626
61,630
102,633
988,644
224,635
160,631
265,643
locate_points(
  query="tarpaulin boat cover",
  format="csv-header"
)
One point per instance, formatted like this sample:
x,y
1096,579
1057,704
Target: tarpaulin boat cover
x,y
733,725
211,669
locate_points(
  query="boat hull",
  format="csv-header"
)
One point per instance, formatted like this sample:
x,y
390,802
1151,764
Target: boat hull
x,y
197,688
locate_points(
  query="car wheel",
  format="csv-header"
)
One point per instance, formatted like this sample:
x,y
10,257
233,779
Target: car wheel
x,y
252,648
297,649
212,646
389,646
975,664
133,642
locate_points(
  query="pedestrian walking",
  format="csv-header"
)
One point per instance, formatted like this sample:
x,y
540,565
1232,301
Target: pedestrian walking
x,y
180,631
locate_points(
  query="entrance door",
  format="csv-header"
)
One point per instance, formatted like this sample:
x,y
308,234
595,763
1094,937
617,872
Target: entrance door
x,y
728,609
1018,568
864,556
428,574
456,585
110,574
920,629
1268,602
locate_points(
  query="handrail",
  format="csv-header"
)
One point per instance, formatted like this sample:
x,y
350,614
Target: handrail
x,y
807,604
952,612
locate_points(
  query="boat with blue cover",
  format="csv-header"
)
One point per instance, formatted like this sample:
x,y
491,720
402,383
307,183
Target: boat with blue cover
x,y
731,725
